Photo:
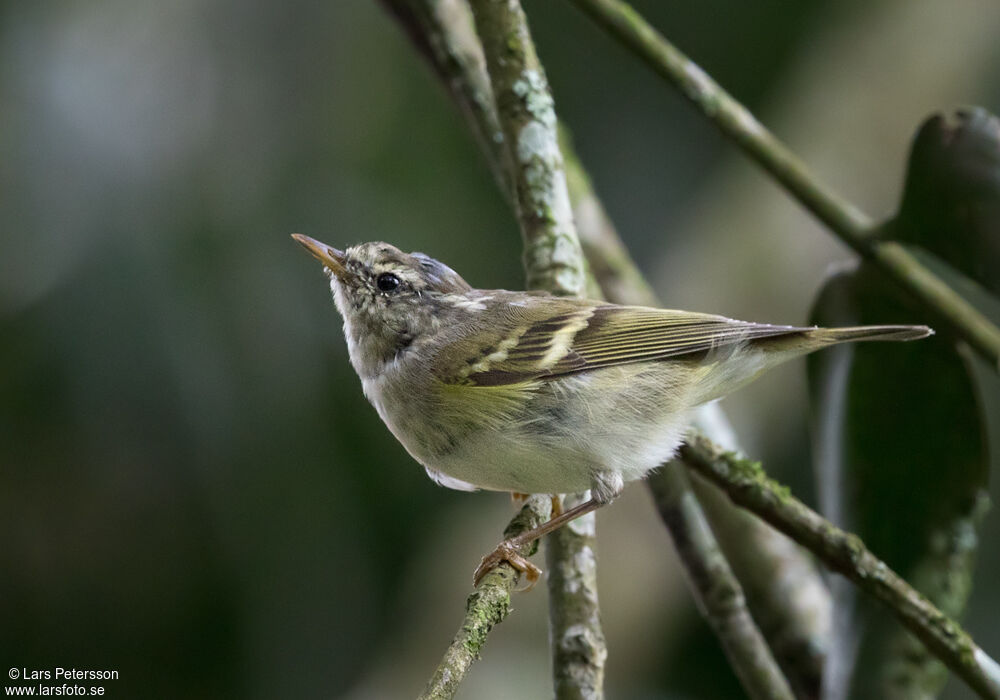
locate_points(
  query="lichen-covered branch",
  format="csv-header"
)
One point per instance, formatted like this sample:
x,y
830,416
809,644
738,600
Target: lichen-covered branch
x,y
443,31
553,259
578,649
554,262
747,485
487,606
846,221
717,591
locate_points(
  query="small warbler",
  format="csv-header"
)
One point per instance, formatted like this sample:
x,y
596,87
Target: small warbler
x,y
532,393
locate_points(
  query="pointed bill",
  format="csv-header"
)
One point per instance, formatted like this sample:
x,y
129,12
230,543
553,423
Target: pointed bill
x,y
332,258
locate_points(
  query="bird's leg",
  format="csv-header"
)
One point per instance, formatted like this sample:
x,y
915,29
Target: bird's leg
x,y
507,551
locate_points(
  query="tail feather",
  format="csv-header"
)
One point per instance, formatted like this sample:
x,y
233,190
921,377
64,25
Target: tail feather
x,y
743,365
829,336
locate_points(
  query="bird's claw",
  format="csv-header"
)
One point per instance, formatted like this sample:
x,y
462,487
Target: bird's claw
x,y
507,552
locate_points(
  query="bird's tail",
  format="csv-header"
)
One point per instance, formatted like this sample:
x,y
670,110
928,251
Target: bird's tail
x,y
830,336
775,345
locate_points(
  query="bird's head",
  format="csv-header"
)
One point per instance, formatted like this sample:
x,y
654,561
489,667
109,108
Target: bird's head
x,y
388,298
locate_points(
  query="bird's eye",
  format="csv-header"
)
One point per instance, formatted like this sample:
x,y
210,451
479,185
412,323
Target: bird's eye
x,y
387,282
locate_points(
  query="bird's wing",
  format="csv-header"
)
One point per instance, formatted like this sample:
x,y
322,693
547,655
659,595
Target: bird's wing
x,y
555,340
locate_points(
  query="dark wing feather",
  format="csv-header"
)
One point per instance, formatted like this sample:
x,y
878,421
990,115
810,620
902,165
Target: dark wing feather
x,y
591,336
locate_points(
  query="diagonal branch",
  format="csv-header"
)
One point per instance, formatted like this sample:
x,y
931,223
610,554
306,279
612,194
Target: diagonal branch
x,y
488,605
748,486
847,222
786,594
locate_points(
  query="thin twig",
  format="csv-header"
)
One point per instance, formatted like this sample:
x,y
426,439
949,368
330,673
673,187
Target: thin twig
x,y
787,593
717,591
849,224
488,605
747,485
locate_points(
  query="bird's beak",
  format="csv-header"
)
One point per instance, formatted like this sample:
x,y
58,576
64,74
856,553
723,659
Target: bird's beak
x,y
331,257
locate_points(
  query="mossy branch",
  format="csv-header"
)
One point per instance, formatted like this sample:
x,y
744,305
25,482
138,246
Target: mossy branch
x,y
845,220
747,485
488,605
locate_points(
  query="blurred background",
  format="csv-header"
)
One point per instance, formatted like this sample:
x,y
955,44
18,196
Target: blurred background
x,y
193,490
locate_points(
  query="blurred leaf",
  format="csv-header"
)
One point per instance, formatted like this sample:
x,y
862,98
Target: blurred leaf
x,y
951,200
901,435
902,442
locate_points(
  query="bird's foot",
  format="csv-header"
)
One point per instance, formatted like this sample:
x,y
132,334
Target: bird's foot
x,y
506,551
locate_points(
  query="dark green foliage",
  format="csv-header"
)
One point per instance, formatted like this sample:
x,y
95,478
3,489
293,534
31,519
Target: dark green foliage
x,y
901,431
951,200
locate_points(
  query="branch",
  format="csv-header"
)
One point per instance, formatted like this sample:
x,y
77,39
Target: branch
x,y
553,261
848,223
444,32
488,605
748,486
717,591
577,640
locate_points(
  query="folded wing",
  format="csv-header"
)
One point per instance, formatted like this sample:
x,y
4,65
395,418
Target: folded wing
x,y
574,339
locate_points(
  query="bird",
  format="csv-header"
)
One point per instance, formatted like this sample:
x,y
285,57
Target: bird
x,y
531,393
